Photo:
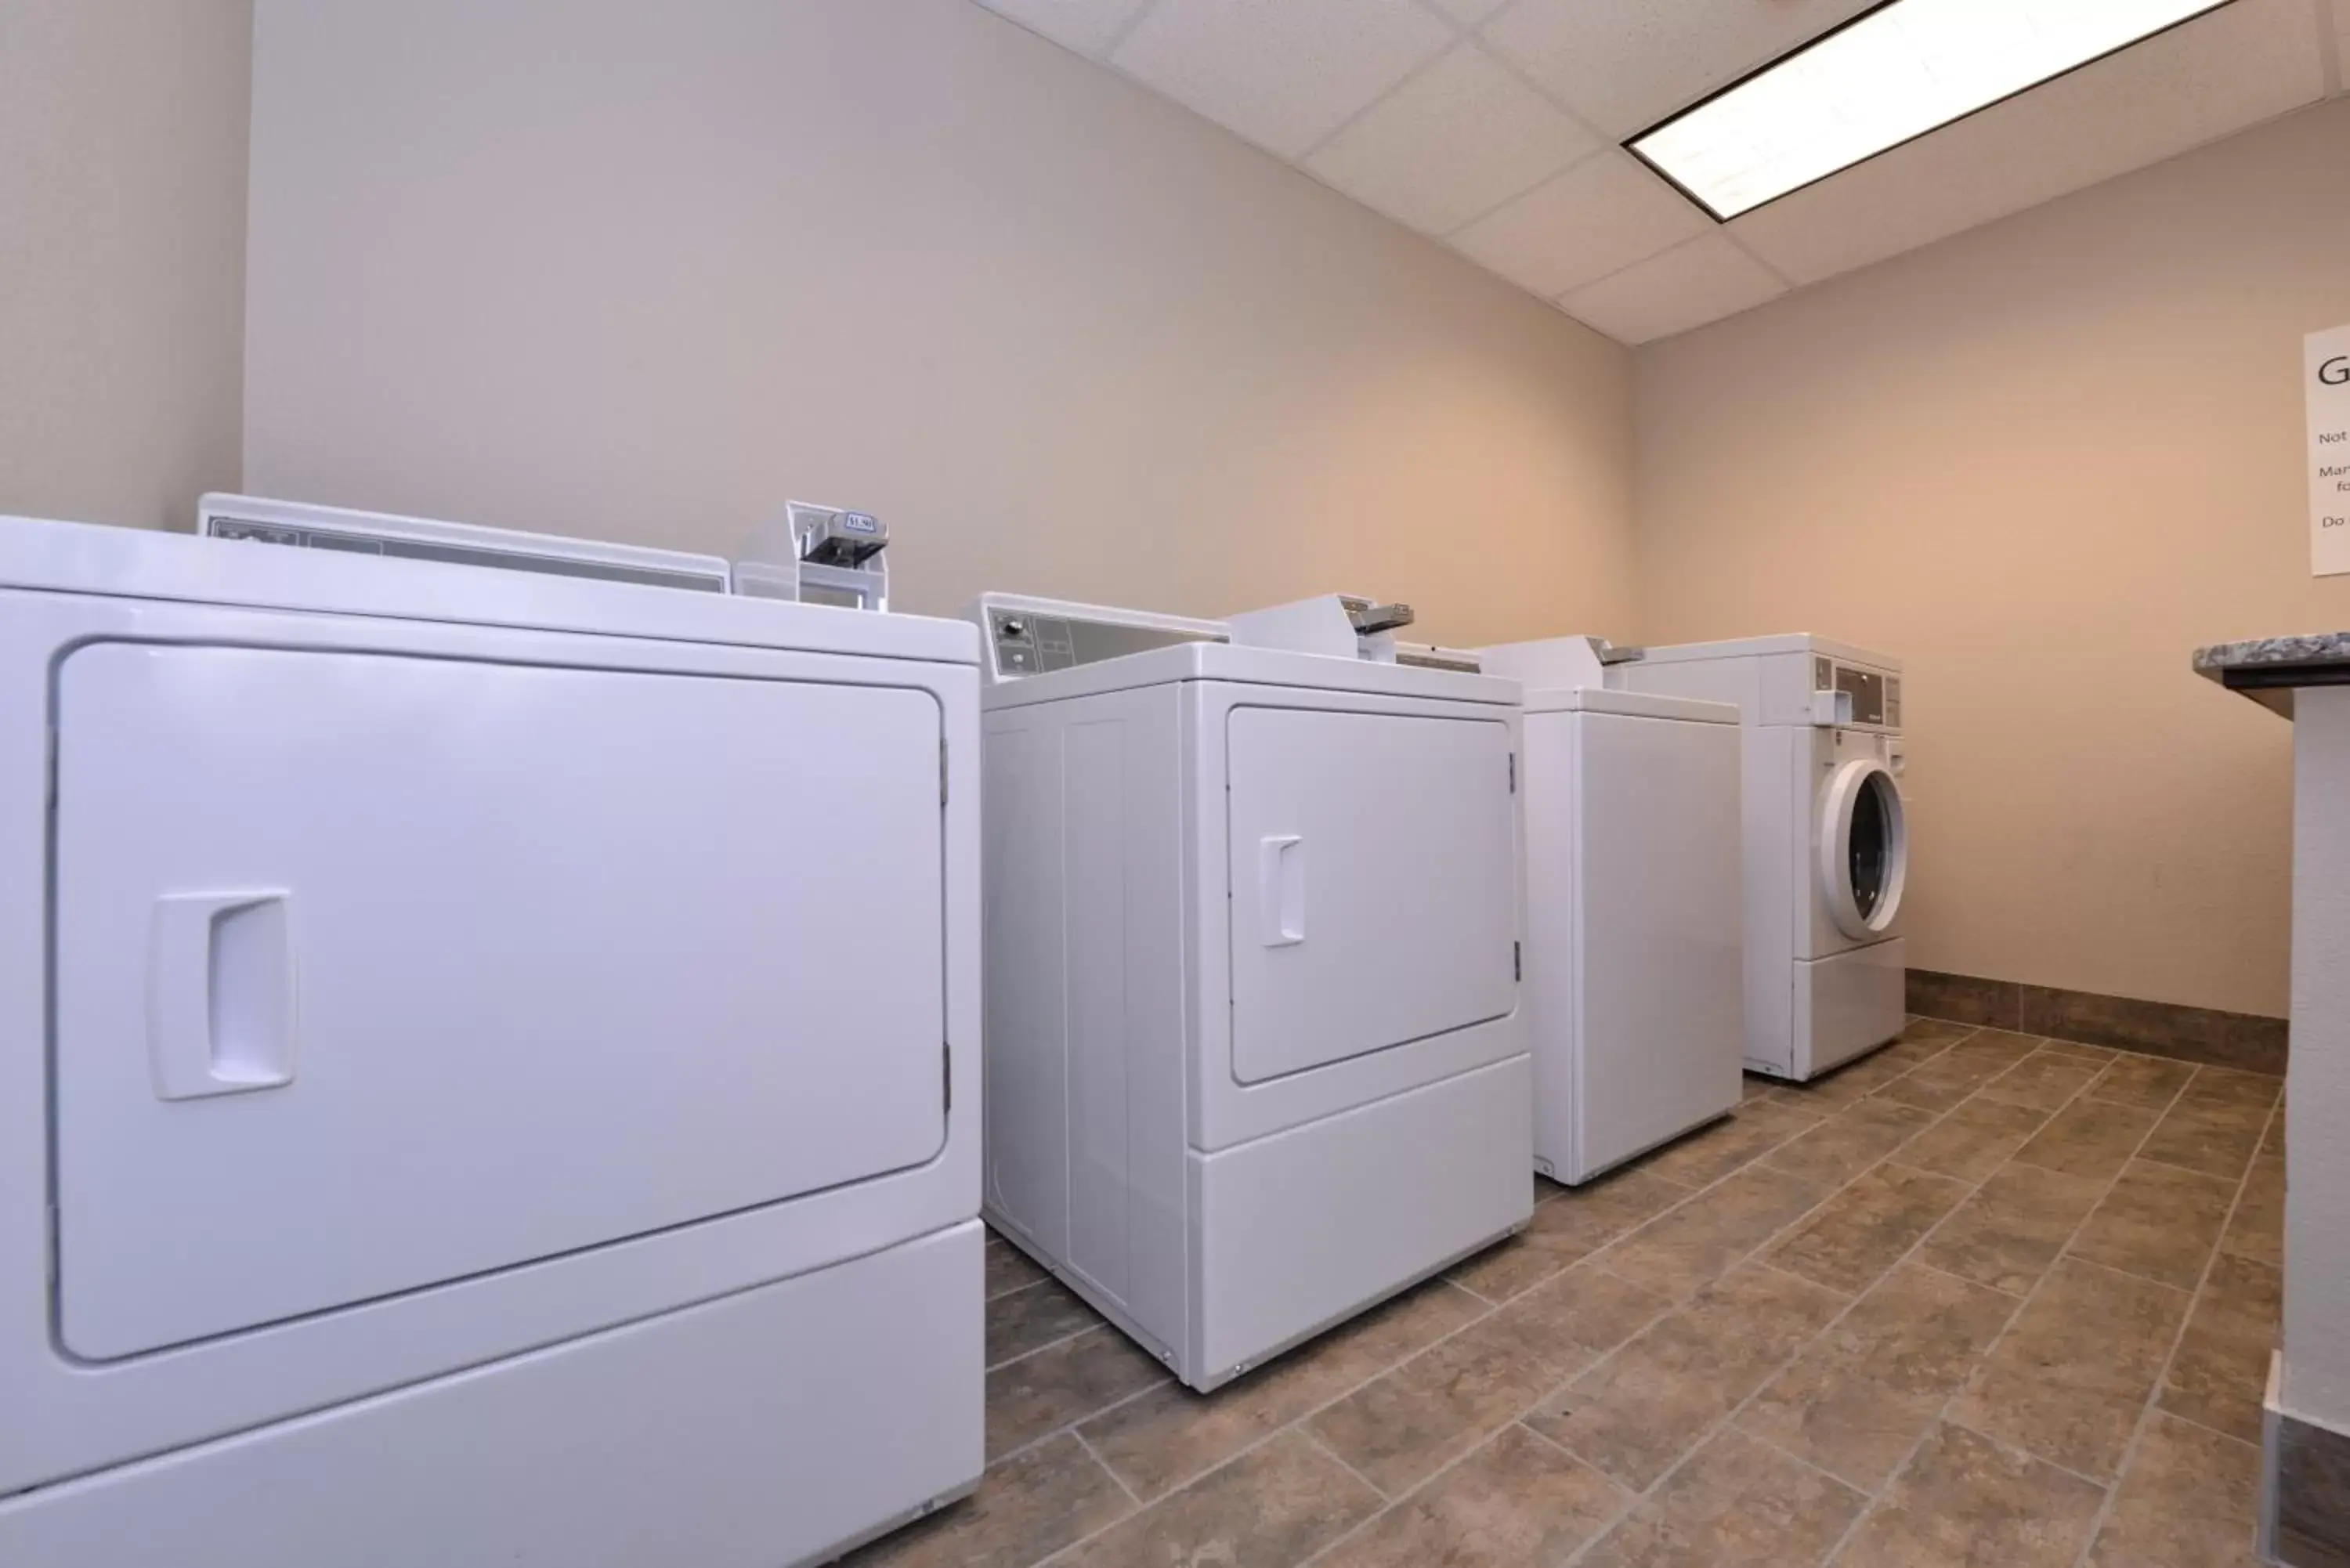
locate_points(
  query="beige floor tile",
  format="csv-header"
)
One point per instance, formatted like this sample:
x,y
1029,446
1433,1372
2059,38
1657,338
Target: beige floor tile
x,y
2258,1090
2215,1135
1695,1243
1993,1050
1930,1089
2186,1500
1402,1427
1566,1229
2007,1234
1008,1268
1271,1508
2159,1221
1864,1230
2076,1048
1027,1509
1735,1504
2273,1144
1843,1147
1931,1036
1064,1384
2148,1081
1637,1412
1975,1140
1517,1502
1857,1400
1964,1500
2221,1371
1170,1435
2045,1079
1707,1155
2075,1371
2257,1231
1032,1318
1565,1324
1858,1080
2088,1137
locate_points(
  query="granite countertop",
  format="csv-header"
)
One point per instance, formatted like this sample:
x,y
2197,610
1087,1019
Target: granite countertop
x,y
2267,668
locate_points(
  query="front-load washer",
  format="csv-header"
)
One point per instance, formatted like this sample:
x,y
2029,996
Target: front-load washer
x,y
1826,834
1634,924
1254,1057
495,1070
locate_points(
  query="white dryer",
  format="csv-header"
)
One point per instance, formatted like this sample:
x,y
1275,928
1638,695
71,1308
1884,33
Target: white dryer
x,y
1826,833
1254,1054
1635,927
494,1065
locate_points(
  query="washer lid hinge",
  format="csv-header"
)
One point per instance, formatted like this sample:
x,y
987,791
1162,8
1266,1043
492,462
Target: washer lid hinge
x,y
943,770
1517,961
1514,772
946,1073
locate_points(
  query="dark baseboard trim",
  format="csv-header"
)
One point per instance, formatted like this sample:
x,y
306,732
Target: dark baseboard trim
x,y
2201,1034
2305,1501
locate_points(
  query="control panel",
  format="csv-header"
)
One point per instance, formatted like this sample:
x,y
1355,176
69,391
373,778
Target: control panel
x,y
1026,642
1876,697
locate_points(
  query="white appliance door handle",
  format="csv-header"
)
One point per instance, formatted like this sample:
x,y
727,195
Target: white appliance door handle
x,y
1281,889
220,993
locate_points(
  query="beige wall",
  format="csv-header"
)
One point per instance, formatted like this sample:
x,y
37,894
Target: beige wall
x,y
2041,461
122,165
583,267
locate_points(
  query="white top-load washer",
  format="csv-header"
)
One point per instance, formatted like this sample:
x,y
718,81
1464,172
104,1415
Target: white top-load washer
x,y
1635,927
493,1071
1828,840
1254,1057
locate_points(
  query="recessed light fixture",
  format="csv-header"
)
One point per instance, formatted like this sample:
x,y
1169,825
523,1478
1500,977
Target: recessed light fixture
x,y
1891,74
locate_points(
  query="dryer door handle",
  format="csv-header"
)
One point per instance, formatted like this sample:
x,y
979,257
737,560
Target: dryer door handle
x,y
1281,889
220,993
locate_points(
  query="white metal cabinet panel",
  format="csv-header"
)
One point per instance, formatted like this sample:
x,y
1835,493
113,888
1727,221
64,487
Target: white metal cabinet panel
x,y
1026,995
1372,867
1848,1003
1661,959
1309,1225
769,1429
474,865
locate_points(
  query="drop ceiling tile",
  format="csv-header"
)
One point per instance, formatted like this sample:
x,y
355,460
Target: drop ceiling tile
x,y
1706,280
1604,213
1469,13
1282,73
1085,26
2237,66
1624,65
1451,144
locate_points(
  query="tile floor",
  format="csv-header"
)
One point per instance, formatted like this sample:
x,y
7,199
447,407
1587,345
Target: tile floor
x,y
1980,1299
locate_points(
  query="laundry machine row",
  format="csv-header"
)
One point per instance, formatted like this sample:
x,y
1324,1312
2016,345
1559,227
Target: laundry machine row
x,y
521,1029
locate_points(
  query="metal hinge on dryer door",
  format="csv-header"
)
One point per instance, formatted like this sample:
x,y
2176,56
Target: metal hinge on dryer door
x,y
946,1076
1514,772
942,772
1517,961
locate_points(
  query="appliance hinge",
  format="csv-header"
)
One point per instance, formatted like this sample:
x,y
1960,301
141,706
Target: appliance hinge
x,y
1514,772
1517,961
942,771
52,787
946,1073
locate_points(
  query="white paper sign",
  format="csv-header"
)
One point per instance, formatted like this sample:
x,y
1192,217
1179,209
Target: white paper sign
x,y
2325,362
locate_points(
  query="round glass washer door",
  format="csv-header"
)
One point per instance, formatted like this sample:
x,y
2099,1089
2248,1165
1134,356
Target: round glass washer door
x,y
1864,848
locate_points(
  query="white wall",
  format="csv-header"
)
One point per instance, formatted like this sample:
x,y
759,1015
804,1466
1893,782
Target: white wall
x,y
642,272
122,171
2043,461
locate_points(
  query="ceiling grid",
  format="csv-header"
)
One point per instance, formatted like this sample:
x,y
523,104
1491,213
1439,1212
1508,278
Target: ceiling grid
x,y
1494,127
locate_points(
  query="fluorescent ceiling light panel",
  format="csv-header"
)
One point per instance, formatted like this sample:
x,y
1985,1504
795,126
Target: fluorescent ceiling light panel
x,y
1892,74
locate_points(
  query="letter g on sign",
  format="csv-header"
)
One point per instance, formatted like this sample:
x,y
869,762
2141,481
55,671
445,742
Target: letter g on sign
x,y
2334,372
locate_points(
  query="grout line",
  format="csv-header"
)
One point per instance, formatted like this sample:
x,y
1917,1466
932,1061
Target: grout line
x,y
1336,1458
1086,1444
2162,1377
1082,1329
1070,1427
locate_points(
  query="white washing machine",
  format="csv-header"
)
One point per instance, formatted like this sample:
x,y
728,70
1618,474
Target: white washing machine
x,y
1827,842
1254,1059
1634,925
494,1069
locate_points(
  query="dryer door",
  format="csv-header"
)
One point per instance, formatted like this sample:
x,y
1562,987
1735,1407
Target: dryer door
x,y
376,972
1864,847
1374,882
